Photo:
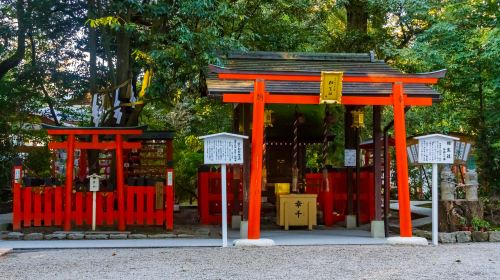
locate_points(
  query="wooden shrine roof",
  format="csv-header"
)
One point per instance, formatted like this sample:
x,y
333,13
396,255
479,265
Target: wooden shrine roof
x,y
349,63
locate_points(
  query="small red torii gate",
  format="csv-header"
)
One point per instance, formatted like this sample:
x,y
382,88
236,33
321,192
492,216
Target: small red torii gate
x,y
259,97
118,144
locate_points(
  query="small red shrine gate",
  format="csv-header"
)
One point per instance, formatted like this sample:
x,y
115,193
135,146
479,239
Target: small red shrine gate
x,y
260,96
56,205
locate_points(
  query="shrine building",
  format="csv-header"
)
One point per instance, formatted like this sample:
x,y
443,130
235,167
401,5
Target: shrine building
x,y
305,143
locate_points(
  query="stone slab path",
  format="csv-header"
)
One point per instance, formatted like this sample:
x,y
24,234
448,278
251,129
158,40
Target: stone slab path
x,y
285,238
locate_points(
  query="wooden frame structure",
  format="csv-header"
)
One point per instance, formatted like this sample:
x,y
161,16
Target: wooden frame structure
x,y
135,204
259,97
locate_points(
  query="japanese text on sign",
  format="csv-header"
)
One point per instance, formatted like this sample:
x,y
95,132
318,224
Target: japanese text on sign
x,y
222,150
435,151
331,87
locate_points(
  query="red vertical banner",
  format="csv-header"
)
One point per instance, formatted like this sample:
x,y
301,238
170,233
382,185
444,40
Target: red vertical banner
x,y
169,201
16,184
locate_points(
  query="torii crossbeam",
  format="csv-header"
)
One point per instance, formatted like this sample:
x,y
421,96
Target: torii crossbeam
x,y
259,97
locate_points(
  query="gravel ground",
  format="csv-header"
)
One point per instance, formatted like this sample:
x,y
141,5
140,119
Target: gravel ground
x,y
457,261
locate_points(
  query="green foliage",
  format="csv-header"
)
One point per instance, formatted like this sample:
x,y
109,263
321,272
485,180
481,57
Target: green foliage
x,y
177,39
479,224
464,39
37,162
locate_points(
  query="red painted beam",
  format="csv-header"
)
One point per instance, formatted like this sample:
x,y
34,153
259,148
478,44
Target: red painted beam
x,y
370,100
314,99
292,99
94,146
94,131
237,98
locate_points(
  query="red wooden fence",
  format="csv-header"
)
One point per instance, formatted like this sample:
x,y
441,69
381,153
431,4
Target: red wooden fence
x,y
210,197
334,202
43,206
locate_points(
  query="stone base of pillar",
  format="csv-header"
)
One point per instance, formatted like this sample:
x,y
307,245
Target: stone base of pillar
x,y
412,241
244,229
350,221
235,221
377,229
253,242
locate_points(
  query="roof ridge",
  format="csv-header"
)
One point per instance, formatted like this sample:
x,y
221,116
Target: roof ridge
x,y
325,56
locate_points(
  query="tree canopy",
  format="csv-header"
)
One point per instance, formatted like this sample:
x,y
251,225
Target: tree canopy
x,y
57,55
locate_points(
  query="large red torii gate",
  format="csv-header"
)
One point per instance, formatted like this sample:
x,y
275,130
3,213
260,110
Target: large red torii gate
x,y
259,97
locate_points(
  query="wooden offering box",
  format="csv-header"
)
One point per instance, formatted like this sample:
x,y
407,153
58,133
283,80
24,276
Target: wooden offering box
x,y
296,210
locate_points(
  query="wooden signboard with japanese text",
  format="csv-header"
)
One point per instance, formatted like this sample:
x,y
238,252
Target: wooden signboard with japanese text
x,y
223,150
435,150
331,87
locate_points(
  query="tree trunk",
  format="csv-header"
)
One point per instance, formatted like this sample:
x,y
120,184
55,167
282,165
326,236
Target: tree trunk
x,y
16,58
356,37
357,16
123,61
92,50
92,155
453,213
38,81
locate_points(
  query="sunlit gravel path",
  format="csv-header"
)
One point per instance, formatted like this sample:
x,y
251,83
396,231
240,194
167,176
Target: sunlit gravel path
x,y
464,261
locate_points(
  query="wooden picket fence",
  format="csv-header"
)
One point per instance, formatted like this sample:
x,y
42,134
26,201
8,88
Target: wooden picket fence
x,y
43,206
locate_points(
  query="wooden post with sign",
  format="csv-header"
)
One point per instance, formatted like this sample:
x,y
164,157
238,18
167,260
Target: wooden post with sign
x,y
223,148
435,148
94,188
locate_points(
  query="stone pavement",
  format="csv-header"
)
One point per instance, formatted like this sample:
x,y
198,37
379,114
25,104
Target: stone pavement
x,y
285,238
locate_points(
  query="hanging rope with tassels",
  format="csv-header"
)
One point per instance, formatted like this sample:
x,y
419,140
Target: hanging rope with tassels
x,y
326,127
295,169
267,123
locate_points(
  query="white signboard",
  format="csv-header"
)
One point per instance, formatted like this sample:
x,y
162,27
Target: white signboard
x,y
94,187
94,183
17,175
223,148
170,178
435,149
349,157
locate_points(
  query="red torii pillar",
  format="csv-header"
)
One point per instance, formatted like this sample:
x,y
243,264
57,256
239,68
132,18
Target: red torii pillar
x,y
260,97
